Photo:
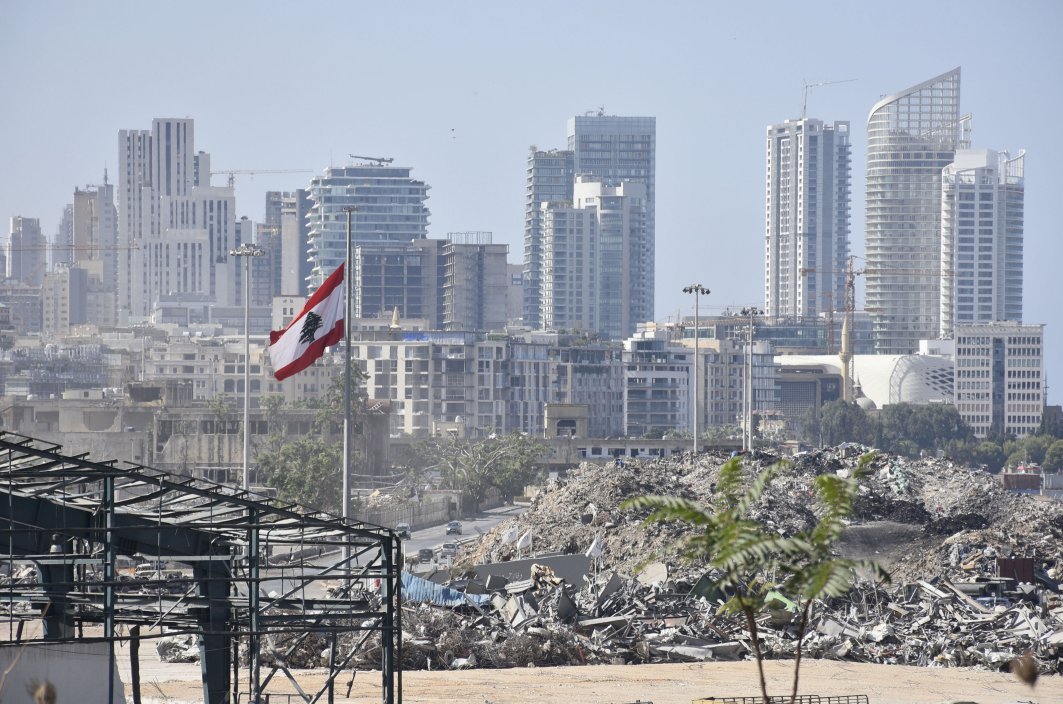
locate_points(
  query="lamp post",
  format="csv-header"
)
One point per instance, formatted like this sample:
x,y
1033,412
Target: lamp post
x,y
248,251
698,290
747,435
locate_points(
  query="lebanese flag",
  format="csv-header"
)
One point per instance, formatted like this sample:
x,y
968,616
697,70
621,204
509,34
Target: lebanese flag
x,y
318,325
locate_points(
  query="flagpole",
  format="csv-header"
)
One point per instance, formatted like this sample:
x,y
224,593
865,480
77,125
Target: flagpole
x,y
347,384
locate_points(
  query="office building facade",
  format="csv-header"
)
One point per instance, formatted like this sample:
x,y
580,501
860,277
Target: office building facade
x,y
1000,378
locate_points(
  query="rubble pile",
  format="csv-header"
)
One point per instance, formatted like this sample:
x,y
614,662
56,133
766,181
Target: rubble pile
x,y
939,527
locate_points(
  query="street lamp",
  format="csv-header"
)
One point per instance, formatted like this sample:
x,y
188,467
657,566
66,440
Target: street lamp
x,y
747,434
248,251
698,290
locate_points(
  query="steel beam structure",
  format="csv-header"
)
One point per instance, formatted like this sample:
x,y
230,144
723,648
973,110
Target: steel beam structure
x,y
225,564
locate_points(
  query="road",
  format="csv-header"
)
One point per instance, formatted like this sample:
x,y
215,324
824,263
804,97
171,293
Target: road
x,y
431,537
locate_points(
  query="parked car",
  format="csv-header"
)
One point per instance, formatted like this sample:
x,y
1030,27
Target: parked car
x,y
454,528
425,555
403,530
448,550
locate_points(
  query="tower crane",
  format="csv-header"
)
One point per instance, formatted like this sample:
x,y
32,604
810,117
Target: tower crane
x,y
252,172
380,161
804,101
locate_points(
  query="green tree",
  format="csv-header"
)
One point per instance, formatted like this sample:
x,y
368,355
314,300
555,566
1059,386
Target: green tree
x,y
1051,422
1054,457
836,422
745,551
929,427
988,453
506,462
308,470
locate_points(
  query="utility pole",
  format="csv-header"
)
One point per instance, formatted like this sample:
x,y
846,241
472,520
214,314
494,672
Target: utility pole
x,y
347,424
248,251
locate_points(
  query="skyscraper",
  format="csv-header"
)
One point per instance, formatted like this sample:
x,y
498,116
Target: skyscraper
x,y
806,217
619,150
390,207
612,151
982,194
549,180
912,136
174,229
27,251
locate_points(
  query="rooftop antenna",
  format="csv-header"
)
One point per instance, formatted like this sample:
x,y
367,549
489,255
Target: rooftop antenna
x,y
804,102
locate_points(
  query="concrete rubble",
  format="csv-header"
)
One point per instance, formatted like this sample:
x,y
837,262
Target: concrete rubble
x,y
942,530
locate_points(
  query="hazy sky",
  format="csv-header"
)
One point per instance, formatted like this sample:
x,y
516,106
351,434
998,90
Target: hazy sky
x,y
460,90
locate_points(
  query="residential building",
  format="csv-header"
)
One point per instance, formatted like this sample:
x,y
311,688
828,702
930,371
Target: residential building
x,y
618,150
549,180
912,136
1000,385
568,277
806,217
401,275
283,236
981,239
474,285
389,208
658,384
27,251
174,230
63,243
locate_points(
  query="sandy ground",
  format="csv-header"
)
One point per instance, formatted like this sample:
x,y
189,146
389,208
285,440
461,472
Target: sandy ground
x,y
659,684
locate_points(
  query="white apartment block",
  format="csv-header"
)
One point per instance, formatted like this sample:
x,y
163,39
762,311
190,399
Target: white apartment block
x,y
568,275
174,230
982,195
1000,377
389,208
806,217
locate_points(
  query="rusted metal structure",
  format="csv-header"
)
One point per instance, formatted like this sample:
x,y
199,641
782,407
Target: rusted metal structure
x,y
227,565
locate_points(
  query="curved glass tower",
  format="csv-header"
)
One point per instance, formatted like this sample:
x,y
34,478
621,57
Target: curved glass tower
x,y
911,137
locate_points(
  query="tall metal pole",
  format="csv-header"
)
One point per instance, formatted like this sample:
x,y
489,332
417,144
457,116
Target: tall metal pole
x,y
247,251
747,435
347,289
697,290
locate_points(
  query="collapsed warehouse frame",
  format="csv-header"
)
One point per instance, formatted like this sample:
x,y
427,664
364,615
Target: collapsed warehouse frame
x,y
226,565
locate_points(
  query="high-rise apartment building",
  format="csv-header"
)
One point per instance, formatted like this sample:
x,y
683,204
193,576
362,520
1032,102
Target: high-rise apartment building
x,y
475,282
982,194
174,229
64,238
806,217
912,136
617,150
1000,378
389,208
609,149
549,180
94,233
27,251
593,254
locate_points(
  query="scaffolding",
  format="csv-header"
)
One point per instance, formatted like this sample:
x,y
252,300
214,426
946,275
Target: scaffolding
x,y
240,568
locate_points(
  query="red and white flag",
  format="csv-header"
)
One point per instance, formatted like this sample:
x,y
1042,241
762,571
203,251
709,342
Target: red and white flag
x,y
318,325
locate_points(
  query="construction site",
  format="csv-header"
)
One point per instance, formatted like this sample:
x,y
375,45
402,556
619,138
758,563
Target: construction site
x,y
239,598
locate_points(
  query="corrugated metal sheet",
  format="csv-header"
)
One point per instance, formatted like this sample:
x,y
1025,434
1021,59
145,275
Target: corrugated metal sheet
x,y
421,590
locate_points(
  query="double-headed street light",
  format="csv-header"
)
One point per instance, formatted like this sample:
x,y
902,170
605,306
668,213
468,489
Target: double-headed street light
x,y
698,290
747,434
248,251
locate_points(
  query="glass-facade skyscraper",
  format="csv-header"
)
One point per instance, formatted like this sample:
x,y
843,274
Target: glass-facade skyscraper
x,y
911,136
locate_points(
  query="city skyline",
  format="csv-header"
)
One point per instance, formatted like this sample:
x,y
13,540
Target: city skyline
x,y
713,78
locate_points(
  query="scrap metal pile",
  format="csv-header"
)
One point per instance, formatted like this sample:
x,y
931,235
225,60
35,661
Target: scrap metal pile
x,y
940,528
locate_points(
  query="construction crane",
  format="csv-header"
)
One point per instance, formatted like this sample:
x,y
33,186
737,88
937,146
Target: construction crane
x,y
804,102
380,161
252,172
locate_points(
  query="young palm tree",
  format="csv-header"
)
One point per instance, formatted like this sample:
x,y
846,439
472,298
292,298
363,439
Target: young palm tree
x,y
744,550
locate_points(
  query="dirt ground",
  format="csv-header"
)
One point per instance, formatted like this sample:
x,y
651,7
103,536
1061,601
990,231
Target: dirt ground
x,y
659,684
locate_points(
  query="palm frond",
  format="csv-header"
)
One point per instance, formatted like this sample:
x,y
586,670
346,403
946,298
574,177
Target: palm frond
x,y
669,508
